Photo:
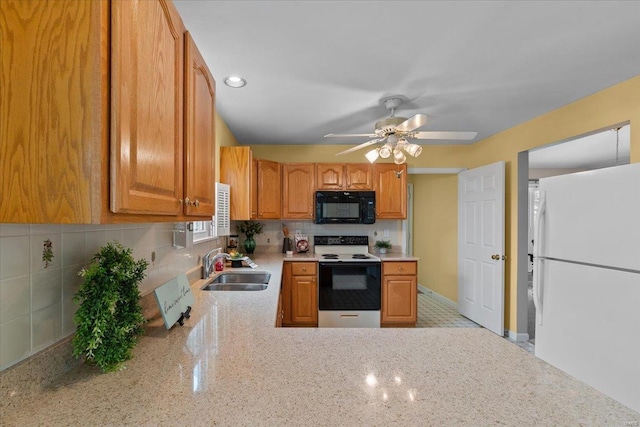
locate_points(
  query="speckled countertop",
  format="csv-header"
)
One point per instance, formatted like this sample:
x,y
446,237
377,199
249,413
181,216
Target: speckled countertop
x,y
228,365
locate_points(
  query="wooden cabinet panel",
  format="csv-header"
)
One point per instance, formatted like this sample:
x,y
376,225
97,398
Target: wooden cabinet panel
x,y
269,200
253,194
299,294
53,111
298,186
147,66
330,176
199,133
303,268
358,176
344,176
399,299
390,185
304,298
399,267
238,169
399,293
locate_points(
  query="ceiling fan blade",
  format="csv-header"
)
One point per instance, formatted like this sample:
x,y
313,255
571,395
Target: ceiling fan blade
x,y
418,120
444,135
349,135
358,147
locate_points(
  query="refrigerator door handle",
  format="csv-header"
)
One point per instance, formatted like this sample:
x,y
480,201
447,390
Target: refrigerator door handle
x,y
537,262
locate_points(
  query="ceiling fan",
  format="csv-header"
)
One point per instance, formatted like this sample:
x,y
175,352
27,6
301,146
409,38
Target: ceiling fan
x,y
397,131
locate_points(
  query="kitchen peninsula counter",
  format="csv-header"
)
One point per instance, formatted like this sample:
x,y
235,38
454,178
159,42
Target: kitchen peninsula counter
x,y
228,365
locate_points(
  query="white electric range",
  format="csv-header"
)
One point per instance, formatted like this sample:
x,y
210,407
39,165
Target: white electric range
x,y
349,282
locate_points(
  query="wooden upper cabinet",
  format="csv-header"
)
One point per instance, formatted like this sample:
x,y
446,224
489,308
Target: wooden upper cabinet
x,y
390,185
147,66
358,176
53,111
269,199
330,176
199,135
253,201
298,186
343,176
238,168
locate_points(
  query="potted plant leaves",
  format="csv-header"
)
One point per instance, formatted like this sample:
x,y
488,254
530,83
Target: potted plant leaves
x,y
250,229
382,246
109,319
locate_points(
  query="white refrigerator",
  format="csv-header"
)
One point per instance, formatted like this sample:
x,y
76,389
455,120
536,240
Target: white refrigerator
x,y
586,278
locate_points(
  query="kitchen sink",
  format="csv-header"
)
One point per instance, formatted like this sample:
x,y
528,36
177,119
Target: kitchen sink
x,y
253,277
235,287
238,282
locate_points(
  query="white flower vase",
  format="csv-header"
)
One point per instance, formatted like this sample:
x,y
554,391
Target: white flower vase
x,y
382,250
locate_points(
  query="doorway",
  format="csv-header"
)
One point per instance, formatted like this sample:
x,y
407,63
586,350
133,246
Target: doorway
x,y
600,149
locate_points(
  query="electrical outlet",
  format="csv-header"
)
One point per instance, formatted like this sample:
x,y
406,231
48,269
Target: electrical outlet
x,y
268,240
386,232
153,256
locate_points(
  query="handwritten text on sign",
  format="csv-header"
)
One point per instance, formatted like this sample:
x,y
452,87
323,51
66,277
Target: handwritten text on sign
x,y
174,297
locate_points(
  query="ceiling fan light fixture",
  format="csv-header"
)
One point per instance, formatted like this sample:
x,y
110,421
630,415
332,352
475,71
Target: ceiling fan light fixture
x,y
413,149
372,155
392,139
385,150
398,156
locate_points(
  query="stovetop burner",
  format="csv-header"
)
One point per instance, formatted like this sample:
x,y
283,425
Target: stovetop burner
x,y
343,249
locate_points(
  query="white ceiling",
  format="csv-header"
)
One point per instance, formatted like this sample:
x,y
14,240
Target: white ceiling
x,y
318,67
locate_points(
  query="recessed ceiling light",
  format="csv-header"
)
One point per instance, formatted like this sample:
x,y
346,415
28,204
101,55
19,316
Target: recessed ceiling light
x,y
235,81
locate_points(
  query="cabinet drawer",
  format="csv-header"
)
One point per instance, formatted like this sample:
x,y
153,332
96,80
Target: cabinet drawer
x,y
303,268
400,267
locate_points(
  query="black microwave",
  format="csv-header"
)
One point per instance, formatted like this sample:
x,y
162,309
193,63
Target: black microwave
x,y
345,207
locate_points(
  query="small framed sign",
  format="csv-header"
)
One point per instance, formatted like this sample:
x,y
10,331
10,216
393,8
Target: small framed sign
x,y
175,300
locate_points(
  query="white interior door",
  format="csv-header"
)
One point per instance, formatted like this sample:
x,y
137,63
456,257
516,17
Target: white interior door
x,y
481,246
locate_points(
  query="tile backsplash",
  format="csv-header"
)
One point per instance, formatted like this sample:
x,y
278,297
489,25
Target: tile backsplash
x,y
36,302
272,237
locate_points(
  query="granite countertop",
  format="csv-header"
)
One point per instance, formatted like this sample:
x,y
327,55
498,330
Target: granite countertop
x,y
229,365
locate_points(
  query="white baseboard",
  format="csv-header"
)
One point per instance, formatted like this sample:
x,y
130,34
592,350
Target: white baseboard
x,y
439,297
514,336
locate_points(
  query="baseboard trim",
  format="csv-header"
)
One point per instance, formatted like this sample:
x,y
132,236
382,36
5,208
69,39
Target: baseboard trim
x,y
439,297
516,336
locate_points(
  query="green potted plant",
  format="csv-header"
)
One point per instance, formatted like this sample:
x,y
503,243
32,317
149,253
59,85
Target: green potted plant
x,y
109,319
250,229
382,246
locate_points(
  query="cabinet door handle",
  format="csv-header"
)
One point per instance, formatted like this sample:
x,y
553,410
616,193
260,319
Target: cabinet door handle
x,y
197,203
187,201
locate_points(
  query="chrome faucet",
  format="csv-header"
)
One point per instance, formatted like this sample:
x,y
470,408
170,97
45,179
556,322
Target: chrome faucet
x,y
208,262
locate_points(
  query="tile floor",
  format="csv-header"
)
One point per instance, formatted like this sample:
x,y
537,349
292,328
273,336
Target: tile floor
x,y
437,312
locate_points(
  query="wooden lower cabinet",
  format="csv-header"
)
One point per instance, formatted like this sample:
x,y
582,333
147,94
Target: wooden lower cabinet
x,y
300,294
399,293
280,313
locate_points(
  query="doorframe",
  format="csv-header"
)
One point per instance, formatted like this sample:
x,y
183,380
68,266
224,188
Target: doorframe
x,y
522,304
407,224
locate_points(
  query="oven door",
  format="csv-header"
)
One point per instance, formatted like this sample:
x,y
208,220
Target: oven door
x,y
349,286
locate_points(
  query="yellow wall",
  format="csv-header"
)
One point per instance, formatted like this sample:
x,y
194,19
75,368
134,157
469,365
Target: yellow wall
x,y
615,105
224,138
435,232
